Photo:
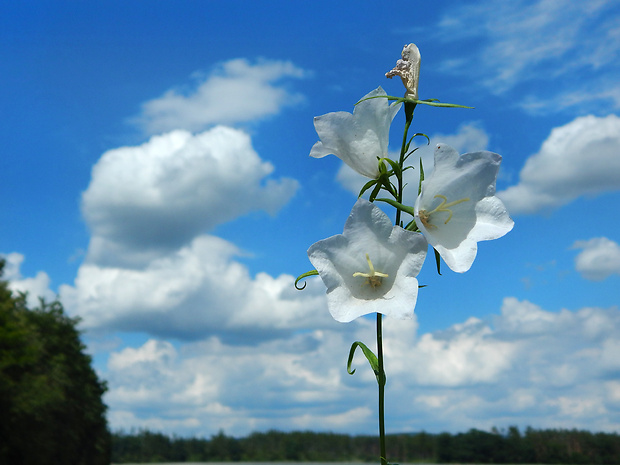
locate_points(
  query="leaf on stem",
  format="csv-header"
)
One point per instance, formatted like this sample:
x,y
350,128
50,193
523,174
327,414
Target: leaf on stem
x,y
433,102
370,356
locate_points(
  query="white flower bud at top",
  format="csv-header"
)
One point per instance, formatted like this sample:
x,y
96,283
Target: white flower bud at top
x,y
408,68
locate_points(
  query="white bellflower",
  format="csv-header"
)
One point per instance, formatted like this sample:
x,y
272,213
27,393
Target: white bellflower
x,y
371,267
457,206
358,139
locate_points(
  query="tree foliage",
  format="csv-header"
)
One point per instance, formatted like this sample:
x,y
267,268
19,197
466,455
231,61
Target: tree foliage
x,y
474,446
50,397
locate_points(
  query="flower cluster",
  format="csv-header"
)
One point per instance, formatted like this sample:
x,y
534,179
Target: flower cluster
x,y
372,266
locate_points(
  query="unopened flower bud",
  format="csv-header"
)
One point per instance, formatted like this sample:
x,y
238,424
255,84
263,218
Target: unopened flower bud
x,y
408,68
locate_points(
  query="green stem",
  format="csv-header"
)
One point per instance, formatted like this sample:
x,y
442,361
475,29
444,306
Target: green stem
x,y
409,107
381,391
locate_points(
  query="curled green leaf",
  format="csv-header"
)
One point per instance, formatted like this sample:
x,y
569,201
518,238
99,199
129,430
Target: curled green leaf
x,y
305,275
370,356
428,139
406,149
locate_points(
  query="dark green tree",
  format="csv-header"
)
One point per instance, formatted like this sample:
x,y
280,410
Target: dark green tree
x,y
50,396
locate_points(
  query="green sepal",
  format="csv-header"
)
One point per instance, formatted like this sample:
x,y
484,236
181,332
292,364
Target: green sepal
x,y
399,206
370,356
305,275
395,166
412,226
438,260
375,191
388,186
382,168
433,102
421,177
367,186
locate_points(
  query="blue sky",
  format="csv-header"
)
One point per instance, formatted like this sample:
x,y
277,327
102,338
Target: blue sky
x,y
155,176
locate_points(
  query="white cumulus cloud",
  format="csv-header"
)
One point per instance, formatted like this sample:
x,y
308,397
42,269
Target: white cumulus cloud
x,y
36,287
526,366
158,196
581,158
191,293
237,91
598,259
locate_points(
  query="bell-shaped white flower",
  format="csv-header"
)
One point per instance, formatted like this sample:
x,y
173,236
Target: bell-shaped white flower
x,y
371,267
358,139
457,206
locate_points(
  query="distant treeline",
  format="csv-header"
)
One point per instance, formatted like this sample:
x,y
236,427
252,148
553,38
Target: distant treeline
x,y
474,446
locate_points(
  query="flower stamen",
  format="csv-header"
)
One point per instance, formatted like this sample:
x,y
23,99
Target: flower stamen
x,y
374,278
442,207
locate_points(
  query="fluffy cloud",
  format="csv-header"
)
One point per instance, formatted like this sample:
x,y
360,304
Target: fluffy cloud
x,y
599,258
206,386
35,287
527,40
529,367
235,92
193,292
466,354
577,159
470,137
146,200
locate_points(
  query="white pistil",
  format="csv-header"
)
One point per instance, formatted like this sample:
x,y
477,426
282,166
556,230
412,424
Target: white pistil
x,y
374,277
442,207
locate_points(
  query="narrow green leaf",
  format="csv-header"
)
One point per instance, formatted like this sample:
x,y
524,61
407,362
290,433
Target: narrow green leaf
x,y
433,102
395,166
367,186
375,191
421,177
370,356
438,260
305,275
388,186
